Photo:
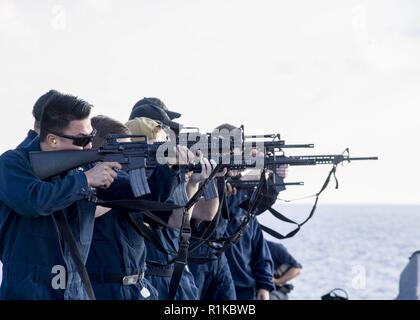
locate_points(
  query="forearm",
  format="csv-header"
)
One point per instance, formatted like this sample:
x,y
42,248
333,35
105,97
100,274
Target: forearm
x,y
206,210
289,275
175,219
191,188
203,210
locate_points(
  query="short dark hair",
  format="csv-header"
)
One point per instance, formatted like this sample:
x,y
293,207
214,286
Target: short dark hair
x,y
39,105
59,111
104,126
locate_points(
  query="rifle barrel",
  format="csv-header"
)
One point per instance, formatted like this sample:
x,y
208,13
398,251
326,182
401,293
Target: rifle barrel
x,y
362,158
309,145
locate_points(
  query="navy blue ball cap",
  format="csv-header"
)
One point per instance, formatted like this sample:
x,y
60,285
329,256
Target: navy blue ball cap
x,y
158,103
155,113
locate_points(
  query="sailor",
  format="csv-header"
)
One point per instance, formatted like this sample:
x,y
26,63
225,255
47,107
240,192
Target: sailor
x,y
159,268
409,288
249,258
213,278
31,249
286,268
37,113
116,262
155,109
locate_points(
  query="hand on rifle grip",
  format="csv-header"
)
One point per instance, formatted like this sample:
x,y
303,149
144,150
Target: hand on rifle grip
x,y
102,175
282,170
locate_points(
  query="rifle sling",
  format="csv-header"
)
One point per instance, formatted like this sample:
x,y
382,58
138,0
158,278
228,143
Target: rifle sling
x,y
253,204
283,218
67,235
147,233
182,258
138,205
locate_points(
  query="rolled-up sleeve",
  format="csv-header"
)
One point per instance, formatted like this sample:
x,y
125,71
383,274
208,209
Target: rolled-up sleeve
x,y
262,263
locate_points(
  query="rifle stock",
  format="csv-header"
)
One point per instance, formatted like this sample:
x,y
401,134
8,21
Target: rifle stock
x,y
46,165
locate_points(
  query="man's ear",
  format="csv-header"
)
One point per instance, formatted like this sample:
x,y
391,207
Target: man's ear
x,y
51,140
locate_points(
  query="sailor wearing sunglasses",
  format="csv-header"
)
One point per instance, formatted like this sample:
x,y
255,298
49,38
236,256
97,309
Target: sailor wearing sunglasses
x,y
33,248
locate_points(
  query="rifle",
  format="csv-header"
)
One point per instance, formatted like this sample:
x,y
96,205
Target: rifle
x,y
271,142
271,162
134,158
308,160
216,144
250,185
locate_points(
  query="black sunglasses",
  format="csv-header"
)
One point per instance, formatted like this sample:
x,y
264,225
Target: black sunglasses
x,y
80,141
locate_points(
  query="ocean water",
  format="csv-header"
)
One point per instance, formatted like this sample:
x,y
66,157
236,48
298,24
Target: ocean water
x,y
360,248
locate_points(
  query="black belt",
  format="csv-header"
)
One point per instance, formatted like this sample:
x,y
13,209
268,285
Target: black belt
x,y
159,271
117,278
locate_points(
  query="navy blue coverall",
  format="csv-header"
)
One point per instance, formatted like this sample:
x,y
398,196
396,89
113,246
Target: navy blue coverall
x,y
118,249
249,259
31,135
159,270
213,279
31,247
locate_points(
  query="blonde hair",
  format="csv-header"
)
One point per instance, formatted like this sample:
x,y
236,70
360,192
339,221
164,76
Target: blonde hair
x,y
143,126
